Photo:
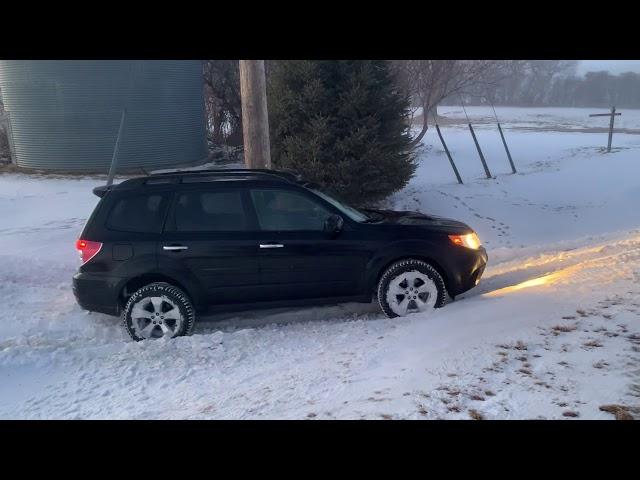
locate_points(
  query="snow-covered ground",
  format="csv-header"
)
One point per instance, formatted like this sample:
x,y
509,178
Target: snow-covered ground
x,y
552,331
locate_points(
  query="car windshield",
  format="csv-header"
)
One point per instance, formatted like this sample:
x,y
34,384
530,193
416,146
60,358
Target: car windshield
x,y
350,212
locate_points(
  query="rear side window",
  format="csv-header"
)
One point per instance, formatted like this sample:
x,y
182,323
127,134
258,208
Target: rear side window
x,y
210,211
141,213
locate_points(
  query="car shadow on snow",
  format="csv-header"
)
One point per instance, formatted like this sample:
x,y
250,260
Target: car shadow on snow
x,y
287,315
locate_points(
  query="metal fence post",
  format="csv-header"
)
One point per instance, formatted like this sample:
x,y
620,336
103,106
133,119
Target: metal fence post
x,y
504,142
484,162
453,165
613,116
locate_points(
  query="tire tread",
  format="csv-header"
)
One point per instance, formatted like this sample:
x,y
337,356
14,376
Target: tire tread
x,y
165,288
406,265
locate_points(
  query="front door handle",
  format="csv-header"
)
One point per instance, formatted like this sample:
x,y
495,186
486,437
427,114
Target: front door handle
x,y
174,248
271,245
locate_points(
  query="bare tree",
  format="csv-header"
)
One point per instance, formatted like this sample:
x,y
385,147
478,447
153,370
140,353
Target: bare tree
x,y
540,75
429,82
529,82
507,84
222,101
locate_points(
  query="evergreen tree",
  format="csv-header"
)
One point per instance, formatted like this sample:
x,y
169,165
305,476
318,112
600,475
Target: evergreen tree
x,y
341,124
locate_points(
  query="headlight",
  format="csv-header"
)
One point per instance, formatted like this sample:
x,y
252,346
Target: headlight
x,y
470,240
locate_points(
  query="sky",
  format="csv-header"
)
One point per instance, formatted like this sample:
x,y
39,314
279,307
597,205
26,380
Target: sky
x,y
613,66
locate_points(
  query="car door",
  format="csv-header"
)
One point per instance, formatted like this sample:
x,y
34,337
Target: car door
x,y
298,258
210,238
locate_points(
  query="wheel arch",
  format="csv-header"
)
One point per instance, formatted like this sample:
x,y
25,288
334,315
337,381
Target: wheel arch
x,y
133,284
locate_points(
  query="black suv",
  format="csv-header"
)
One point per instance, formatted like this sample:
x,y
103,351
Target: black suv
x,y
159,249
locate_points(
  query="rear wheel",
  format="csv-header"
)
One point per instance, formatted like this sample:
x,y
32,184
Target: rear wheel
x,y
158,310
410,286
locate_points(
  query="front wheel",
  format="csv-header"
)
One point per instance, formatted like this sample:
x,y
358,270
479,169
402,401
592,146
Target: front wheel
x,y
410,286
158,310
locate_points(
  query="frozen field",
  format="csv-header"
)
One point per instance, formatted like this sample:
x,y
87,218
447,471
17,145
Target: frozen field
x,y
553,118
552,331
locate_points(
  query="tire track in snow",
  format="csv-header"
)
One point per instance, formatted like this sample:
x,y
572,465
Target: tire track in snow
x,y
271,370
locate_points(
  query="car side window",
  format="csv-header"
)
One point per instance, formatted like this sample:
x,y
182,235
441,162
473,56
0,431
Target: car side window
x,y
140,214
210,211
287,210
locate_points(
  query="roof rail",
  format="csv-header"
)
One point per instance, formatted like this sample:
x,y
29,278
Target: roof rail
x,y
284,174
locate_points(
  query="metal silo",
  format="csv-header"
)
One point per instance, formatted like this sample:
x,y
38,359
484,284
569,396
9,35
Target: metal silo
x,y
65,114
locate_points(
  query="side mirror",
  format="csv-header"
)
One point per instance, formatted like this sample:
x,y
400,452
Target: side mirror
x,y
333,224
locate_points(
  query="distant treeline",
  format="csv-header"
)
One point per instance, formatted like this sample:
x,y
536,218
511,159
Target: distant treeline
x,y
594,89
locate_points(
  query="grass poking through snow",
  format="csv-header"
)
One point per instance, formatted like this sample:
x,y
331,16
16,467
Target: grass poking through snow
x,y
475,415
620,412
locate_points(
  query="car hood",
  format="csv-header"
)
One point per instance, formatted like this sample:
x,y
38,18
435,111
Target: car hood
x,y
419,219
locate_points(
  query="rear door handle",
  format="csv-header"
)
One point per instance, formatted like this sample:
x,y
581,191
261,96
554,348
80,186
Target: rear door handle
x,y
174,248
271,245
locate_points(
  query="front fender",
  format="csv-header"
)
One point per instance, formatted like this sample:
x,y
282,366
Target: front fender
x,y
428,250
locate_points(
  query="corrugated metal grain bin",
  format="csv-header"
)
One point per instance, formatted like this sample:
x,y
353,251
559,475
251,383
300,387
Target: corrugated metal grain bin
x,y
65,114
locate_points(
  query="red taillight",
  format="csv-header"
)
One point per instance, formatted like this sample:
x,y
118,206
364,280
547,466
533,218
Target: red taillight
x,y
87,249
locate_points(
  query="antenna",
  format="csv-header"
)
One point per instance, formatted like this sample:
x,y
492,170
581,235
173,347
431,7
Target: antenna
x,y
114,159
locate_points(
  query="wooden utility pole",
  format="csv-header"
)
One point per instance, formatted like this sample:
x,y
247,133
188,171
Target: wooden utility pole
x,y
613,115
255,118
